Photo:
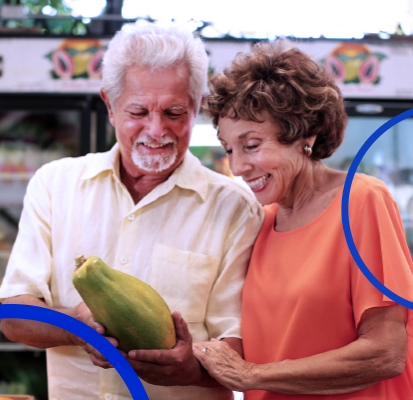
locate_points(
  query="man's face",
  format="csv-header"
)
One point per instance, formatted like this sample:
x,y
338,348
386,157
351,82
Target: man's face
x,y
153,119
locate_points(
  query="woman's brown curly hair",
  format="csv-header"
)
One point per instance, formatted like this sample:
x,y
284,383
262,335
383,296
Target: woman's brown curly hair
x,y
287,85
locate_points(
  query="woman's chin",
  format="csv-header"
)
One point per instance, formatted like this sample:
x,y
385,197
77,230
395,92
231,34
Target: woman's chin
x,y
265,201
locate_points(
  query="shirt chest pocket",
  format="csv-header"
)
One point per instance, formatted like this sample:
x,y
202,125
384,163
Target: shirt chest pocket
x,y
184,279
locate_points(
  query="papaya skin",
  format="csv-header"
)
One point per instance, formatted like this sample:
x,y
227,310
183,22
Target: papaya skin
x,y
131,311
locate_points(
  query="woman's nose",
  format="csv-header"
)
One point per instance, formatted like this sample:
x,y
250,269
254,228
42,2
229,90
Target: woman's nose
x,y
238,165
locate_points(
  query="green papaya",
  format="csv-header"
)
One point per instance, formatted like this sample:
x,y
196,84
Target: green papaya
x,y
131,311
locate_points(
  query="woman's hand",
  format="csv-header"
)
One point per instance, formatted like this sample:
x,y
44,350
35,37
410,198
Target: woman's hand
x,y
224,364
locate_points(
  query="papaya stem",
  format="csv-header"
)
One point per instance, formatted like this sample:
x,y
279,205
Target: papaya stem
x,y
80,261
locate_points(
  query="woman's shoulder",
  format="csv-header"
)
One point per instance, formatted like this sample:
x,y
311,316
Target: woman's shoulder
x,y
371,192
363,180
366,184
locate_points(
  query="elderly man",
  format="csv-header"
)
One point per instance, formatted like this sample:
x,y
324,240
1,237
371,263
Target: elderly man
x,y
148,208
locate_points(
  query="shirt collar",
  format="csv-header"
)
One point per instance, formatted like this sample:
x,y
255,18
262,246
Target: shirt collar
x,y
188,175
108,161
191,175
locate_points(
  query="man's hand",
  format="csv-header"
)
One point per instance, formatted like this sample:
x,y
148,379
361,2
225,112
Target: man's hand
x,y
177,366
83,314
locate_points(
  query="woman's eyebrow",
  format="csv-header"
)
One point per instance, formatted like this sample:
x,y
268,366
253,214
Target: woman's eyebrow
x,y
242,136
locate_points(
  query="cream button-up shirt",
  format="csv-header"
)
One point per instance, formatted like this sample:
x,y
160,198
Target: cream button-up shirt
x,y
190,238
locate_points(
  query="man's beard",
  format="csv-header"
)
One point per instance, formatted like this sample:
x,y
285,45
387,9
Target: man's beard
x,y
155,162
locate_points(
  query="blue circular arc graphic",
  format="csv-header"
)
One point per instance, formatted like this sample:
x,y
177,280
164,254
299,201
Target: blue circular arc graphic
x,y
119,362
85,332
344,209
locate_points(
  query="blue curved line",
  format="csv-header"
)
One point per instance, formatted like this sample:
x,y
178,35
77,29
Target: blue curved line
x,y
344,209
85,332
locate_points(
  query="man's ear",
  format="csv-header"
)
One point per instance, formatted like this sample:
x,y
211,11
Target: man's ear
x,y
200,105
105,98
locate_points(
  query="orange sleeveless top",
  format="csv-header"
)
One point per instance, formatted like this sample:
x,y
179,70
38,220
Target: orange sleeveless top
x,y
304,294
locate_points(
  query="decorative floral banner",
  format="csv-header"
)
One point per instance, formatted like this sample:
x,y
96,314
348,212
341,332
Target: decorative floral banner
x,y
51,65
75,59
381,69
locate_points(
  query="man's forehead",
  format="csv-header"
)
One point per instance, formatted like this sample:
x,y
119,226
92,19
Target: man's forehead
x,y
158,77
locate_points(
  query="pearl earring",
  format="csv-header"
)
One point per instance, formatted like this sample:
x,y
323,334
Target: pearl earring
x,y
308,150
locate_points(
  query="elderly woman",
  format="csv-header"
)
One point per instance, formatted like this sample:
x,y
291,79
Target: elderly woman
x,y
313,326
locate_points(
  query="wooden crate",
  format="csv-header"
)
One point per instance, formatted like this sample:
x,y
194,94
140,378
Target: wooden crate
x,y
17,397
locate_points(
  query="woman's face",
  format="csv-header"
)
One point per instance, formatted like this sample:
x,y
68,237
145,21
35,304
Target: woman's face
x,y
271,169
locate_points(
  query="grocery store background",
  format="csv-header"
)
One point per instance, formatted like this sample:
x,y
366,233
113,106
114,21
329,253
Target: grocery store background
x,y
50,70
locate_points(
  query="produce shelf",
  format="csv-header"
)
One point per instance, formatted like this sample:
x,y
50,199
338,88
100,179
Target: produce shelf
x,y
17,347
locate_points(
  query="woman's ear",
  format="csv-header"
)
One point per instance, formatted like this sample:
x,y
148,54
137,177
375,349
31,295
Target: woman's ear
x,y
311,140
303,142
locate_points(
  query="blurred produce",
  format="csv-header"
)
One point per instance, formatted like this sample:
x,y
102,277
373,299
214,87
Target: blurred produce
x,y
23,373
213,158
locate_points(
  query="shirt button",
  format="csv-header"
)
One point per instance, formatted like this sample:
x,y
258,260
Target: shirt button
x,y
131,217
124,260
108,396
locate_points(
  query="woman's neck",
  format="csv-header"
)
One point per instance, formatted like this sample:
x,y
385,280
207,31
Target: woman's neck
x,y
310,194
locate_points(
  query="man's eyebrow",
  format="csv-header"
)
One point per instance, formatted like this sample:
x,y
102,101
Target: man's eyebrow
x,y
171,108
177,107
136,105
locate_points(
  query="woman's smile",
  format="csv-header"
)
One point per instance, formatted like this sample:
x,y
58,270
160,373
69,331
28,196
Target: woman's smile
x,y
258,184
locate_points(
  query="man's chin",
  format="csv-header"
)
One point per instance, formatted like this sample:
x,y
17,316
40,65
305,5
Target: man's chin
x,y
155,163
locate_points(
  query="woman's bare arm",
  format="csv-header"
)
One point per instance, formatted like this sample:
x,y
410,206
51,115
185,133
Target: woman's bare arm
x,y
379,353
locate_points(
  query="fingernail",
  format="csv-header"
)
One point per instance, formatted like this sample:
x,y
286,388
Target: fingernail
x,y
132,354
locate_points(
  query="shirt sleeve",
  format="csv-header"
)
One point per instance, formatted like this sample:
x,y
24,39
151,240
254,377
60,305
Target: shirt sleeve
x,y
29,267
379,236
223,316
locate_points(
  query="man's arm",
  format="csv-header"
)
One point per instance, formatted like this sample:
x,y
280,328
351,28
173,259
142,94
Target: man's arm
x,y
42,335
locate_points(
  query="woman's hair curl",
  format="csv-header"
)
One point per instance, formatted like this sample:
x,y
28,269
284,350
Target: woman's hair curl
x,y
282,82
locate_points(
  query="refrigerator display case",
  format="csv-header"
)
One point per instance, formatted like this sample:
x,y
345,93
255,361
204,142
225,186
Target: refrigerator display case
x,y
34,130
390,158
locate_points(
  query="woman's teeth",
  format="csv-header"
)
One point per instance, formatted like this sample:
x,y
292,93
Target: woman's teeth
x,y
258,182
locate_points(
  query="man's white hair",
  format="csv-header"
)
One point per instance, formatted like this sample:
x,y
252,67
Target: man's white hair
x,y
154,48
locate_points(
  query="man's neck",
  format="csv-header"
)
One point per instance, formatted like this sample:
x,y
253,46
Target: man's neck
x,y
140,186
